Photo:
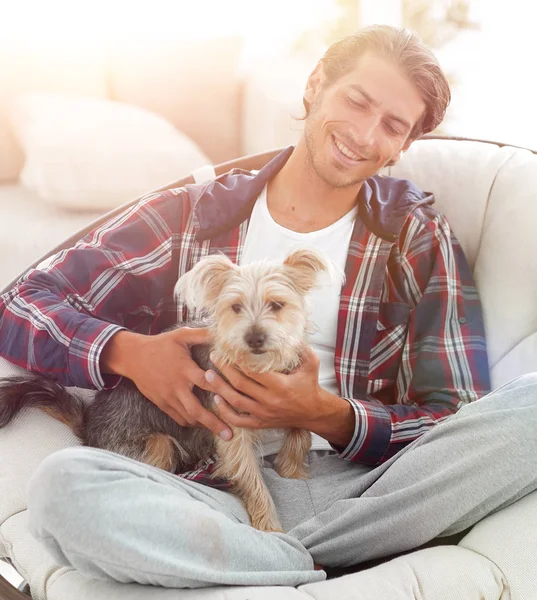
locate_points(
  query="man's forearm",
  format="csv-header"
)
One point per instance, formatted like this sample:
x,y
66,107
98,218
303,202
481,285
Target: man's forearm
x,y
335,421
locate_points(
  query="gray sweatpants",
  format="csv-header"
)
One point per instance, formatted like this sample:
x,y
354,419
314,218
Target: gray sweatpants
x,y
112,517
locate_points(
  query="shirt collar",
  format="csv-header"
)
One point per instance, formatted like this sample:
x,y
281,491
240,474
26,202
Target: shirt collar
x,y
384,203
226,201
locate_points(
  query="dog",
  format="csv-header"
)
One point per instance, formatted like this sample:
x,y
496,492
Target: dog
x,y
259,319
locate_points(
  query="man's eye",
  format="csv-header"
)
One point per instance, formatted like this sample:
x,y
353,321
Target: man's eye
x,y
391,130
356,103
236,308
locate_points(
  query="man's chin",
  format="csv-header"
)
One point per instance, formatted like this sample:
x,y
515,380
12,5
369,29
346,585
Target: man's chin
x,y
339,180
336,175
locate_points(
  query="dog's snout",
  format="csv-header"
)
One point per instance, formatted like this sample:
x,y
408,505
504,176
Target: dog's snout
x,y
255,338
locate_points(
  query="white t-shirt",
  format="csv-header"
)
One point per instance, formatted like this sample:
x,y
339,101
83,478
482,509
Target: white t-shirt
x,y
265,239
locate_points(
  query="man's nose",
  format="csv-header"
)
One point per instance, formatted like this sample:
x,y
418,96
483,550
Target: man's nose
x,y
364,133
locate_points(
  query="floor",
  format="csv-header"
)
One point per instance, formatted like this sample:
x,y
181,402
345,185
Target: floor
x,y
10,574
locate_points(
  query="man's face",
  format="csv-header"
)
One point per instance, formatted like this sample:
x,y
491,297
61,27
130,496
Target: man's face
x,y
361,121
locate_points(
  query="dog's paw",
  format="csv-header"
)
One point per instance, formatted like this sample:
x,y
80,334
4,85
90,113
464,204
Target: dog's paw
x,y
267,523
289,470
296,474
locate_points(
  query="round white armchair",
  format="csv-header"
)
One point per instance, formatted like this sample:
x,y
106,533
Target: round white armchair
x,y
489,194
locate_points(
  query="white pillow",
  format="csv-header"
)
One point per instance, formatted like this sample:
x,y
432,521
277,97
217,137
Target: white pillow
x,y
86,153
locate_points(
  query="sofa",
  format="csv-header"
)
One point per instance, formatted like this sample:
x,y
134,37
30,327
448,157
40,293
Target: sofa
x,y
487,192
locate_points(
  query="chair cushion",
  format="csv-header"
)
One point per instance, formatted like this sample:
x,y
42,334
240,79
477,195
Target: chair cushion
x,y
24,443
440,573
517,558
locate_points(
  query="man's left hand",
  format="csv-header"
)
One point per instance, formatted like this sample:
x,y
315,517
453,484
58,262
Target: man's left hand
x,y
271,400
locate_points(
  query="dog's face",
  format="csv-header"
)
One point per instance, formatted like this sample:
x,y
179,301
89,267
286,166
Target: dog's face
x,y
258,311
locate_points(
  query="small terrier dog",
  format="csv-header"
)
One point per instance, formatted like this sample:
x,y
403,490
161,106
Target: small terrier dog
x,y
259,319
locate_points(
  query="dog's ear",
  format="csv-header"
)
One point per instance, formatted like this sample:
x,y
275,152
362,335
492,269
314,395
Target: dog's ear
x,y
306,264
201,286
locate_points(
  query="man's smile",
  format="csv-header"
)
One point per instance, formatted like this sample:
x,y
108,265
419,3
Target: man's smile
x,y
345,153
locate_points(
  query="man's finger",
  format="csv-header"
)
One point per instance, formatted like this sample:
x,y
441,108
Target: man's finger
x,y
239,401
203,416
239,381
270,379
198,377
309,357
231,416
175,414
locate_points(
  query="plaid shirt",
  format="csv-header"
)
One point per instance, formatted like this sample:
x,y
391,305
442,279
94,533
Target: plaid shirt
x,y
410,348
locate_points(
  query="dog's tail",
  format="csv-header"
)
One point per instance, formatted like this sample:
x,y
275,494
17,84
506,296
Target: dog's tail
x,y
17,393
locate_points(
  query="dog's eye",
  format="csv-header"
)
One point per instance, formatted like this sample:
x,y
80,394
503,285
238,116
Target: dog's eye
x,y
276,306
236,308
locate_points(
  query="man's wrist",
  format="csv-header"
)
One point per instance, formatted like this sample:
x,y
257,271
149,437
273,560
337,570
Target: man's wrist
x,y
335,420
116,357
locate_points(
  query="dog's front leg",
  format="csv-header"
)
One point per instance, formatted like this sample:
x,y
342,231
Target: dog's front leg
x,y
291,459
238,463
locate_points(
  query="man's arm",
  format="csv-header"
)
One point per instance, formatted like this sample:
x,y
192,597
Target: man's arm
x,y
444,360
59,317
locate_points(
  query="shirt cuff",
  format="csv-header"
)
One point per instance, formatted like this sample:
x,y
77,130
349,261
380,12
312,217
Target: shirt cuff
x,y
372,433
85,353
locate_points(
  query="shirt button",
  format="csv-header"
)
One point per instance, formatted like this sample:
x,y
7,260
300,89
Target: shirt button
x,y
462,320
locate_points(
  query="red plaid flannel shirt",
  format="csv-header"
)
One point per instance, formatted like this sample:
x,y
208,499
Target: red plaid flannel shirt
x,y
410,347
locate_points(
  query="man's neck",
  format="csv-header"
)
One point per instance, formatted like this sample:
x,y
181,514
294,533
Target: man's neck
x,y
300,200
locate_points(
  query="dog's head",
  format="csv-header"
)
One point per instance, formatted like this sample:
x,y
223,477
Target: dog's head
x,y
258,311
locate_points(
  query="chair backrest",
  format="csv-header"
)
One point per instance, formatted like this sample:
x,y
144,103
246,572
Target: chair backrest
x,y
487,191
248,163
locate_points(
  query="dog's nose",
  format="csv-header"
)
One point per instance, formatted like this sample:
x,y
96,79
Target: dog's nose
x,y
255,339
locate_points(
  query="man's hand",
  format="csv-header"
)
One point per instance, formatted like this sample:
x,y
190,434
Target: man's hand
x,y
277,400
163,370
272,400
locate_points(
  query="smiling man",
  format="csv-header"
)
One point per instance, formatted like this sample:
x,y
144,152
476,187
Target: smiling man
x,y
401,453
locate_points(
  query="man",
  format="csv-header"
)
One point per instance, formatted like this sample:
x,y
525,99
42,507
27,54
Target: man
x,y
398,351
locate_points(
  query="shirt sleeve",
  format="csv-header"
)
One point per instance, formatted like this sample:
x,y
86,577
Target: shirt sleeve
x,y
57,319
443,362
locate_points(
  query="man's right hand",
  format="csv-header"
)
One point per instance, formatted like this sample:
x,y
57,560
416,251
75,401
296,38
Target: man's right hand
x,y
163,370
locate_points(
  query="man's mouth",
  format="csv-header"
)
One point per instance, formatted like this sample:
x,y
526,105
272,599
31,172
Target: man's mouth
x,y
347,152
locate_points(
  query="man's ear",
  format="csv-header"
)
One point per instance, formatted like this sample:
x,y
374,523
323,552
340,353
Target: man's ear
x,y
406,146
395,159
313,85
